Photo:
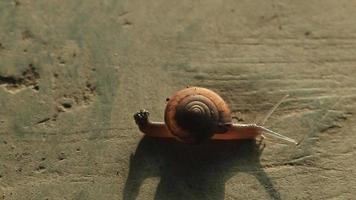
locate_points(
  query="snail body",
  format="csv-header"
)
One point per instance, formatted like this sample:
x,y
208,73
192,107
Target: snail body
x,y
195,114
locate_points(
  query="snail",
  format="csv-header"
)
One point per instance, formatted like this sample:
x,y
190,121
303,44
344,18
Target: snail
x,y
195,114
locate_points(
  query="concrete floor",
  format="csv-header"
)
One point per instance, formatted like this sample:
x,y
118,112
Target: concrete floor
x,y
73,73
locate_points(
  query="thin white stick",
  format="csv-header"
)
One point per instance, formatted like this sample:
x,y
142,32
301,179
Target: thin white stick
x,y
277,135
264,120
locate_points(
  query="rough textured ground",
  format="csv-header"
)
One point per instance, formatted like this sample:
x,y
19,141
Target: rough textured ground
x,y
72,73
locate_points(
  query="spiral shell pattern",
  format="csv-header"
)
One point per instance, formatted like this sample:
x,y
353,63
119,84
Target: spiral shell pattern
x,y
194,114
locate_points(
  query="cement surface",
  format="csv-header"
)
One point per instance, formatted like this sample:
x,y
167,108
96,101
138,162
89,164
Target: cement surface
x,y
73,73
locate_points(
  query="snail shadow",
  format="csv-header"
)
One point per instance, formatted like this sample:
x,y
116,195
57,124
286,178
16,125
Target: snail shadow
x,y
193,172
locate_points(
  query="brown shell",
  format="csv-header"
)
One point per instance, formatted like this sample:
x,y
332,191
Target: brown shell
x,y
194,114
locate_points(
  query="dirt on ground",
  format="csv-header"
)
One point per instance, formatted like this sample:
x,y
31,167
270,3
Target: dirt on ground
x,y
73,73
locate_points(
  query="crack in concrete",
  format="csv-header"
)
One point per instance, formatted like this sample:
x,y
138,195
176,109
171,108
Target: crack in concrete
x,y
29,78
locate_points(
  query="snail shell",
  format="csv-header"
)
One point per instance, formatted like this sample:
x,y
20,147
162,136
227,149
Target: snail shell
x,y
195,114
